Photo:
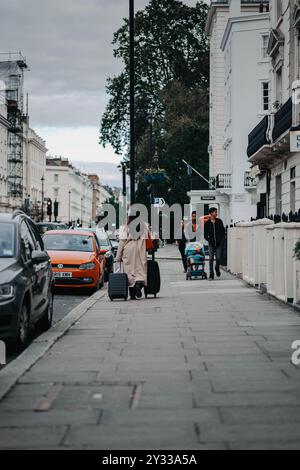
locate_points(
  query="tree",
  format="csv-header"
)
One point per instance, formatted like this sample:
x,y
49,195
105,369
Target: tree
x,y
172,67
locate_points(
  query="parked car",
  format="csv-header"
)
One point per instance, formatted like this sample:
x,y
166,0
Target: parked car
x,y
46,226
76,259
106,249
115,244
26,279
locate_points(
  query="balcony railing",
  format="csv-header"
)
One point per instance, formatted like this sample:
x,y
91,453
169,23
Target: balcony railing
x,y
283,119
249,181
222,180
258,136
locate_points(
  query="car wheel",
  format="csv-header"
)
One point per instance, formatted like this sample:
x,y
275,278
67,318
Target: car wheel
x,y
46,320
23,333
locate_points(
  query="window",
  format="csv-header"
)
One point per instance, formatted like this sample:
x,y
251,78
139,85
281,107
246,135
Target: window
x,y
265,96
293,173
264,46
278,195
27,242
55,178
279,86
293,196
55,191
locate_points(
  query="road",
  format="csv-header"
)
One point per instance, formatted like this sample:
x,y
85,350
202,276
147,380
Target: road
x,y
64,302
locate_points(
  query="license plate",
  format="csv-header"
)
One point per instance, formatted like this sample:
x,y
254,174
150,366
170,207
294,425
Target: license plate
x,y
62,275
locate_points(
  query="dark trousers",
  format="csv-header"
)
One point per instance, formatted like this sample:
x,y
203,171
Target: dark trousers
x,y
183,257
214,251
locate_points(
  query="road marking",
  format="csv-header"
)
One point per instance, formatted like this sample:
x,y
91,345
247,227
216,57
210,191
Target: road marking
x,y
51,396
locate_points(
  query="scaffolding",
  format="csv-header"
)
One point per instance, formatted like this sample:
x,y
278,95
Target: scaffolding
x,y
12,68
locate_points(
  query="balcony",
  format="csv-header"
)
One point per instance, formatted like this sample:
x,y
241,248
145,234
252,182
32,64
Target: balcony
x,y
258,136
283,120
221,181
249,181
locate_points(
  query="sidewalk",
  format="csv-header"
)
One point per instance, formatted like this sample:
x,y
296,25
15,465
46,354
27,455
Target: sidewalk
x,y
204,366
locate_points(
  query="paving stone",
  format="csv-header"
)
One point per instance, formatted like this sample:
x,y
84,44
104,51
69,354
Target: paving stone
x,y
261,415
151,436
254,432
17,419
31,438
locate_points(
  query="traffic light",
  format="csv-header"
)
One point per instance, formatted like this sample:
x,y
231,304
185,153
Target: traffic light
x,y
49,207
55,209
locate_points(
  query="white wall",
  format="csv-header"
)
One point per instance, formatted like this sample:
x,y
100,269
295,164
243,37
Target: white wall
x,y
216,122
35,166
245,70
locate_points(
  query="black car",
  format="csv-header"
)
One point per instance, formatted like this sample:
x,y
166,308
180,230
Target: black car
x,y
106,249
26,279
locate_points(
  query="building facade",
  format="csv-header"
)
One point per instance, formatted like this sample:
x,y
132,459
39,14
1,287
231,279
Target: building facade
x,y
73,191
239,94
274,149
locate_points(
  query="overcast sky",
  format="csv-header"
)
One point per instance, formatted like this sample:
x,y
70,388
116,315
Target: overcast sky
x,y
67,44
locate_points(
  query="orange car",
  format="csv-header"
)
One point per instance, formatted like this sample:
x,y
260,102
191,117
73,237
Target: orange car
x,y
76,258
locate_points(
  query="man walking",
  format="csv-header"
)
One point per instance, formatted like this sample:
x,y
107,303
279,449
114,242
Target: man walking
x,y
181,244
214,234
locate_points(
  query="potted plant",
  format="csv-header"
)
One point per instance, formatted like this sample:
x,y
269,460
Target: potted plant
x,y
155,175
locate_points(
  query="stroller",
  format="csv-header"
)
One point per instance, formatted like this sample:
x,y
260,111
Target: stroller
x,y
195,257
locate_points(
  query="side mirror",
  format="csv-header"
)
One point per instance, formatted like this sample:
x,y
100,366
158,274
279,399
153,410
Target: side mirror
x,y
38,256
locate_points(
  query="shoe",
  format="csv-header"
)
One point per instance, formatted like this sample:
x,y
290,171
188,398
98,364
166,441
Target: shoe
x,y
218,273
138,290
132,293
211,277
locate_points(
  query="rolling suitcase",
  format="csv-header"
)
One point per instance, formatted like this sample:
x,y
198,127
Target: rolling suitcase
x,y
118,286
153,278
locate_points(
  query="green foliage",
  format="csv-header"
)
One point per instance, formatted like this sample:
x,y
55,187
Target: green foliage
x,y
172,68
297,250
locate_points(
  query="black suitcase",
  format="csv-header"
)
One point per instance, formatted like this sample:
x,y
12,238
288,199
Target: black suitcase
x,y
118,286
153,278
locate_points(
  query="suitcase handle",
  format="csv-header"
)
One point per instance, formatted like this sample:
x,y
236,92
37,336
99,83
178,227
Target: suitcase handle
x,y
120,268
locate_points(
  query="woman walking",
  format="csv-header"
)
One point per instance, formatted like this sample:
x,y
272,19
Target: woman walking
x,y
132,252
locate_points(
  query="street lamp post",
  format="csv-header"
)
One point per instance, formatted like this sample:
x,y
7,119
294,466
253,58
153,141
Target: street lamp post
x,y
132,126
42,215
70,208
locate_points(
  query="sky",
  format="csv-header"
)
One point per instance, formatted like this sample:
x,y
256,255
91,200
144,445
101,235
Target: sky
x,y
67,45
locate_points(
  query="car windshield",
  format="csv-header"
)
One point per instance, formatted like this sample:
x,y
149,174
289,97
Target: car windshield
x,y
62,242
7,240
102,239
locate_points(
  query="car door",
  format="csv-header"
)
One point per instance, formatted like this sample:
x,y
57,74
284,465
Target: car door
x,y
44,271
30,271
99,256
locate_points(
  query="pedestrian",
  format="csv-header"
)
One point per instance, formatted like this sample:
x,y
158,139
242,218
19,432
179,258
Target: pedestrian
x,y
181,244
132,253
214,234
194,231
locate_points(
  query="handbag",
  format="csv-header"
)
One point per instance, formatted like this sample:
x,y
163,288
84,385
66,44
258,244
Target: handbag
x,y
149,242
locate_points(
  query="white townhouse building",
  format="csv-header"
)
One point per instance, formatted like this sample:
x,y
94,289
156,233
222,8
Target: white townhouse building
x,y
72,190
239,95
34,170
274,149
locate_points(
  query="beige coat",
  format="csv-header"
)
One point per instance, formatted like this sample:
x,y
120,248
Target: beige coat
x,y
134,257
